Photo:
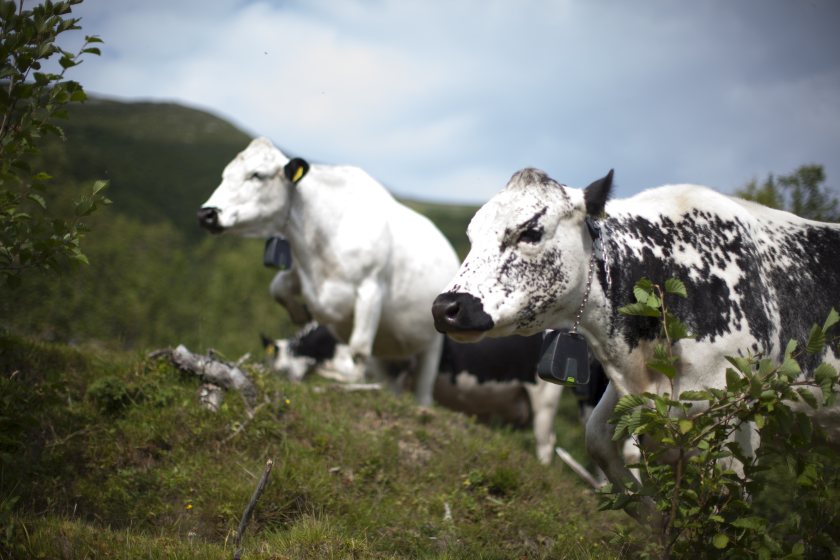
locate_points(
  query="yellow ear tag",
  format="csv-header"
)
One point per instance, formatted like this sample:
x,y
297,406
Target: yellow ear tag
x,y
298,174
270,350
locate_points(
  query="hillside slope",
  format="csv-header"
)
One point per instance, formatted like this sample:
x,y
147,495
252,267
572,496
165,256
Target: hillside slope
x,y
110,455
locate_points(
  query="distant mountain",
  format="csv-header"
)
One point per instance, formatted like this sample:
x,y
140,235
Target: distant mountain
x,y
162,160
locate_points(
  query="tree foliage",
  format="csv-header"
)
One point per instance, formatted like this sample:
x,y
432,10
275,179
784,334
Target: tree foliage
x,y
35,233
690,474
803,193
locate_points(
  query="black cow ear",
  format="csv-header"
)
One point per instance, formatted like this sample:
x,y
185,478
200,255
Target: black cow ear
x,y
597,193
269,346
295,169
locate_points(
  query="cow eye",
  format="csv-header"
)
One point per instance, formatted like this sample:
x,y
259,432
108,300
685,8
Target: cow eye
x,y
530,235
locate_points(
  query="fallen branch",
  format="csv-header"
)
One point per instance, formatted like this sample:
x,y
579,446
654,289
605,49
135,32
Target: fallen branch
x,y
577,467
350,387
211,370
249,509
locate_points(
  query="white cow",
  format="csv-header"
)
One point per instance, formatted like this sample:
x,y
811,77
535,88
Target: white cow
x,y
365,265
747,269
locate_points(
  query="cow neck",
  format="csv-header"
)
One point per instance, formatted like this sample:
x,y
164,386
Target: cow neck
x,y
594,229
303,228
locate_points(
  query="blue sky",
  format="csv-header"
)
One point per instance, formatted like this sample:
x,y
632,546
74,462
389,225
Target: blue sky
x,y
445,100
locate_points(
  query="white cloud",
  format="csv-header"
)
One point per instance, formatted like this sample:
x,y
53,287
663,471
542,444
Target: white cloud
x,y
425,94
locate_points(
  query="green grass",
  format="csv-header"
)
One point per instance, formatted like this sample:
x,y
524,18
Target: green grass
x,y
109,455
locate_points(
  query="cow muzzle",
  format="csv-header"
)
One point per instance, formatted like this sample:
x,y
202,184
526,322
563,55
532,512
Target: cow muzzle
x,y
208,218
460,315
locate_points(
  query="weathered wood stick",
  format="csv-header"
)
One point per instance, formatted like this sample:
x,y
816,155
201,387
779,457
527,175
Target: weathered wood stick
x,y
213,371
577,467
249,509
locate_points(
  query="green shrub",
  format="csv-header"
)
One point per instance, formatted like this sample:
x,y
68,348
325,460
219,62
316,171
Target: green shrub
x,y
31,99
709,507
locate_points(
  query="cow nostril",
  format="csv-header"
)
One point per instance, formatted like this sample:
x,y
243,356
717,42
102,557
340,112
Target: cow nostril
x,y
208,218
458,311
451,311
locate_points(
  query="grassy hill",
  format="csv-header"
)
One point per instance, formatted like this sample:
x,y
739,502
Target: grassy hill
x,y
110,455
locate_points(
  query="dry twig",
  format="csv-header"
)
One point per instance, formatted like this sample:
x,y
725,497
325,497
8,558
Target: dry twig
x,y
249,509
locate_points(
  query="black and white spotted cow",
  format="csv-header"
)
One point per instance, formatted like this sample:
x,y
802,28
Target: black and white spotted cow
x,y
756,277
498,378
494,379
313,349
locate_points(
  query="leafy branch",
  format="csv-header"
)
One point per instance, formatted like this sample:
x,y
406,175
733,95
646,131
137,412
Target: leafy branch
x,y
698,475
32,98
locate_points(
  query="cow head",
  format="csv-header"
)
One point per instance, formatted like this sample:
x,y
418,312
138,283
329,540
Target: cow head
x,y
254,196
281,358
528,262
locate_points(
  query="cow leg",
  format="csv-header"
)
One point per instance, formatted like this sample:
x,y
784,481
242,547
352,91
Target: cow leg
x,y
545,398
609,456
285,289
427,371
366,313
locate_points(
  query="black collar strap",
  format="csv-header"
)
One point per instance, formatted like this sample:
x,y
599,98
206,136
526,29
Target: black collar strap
x,y
594,228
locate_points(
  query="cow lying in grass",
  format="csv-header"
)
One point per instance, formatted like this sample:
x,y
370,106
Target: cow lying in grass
x,y
494,379
757,278
363,264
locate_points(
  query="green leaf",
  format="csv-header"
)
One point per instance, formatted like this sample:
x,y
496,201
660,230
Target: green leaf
x,y
644,284
664,367
78,96
38,199
628,403
733,380
720,541
790,349
685,425
832,319
695,396
765,366
99,185
676,287
816,340
759,421
751,522
640,294
638,309
807,396
790,367
825,374
676,329
744,365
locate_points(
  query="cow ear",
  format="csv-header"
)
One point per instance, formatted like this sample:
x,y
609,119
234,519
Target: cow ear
x,y
597,193
269,345
295,169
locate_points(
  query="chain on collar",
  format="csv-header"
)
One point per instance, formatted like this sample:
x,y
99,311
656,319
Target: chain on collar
x,y
598,245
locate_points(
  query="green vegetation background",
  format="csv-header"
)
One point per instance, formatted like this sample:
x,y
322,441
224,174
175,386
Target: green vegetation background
x,y
156,279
